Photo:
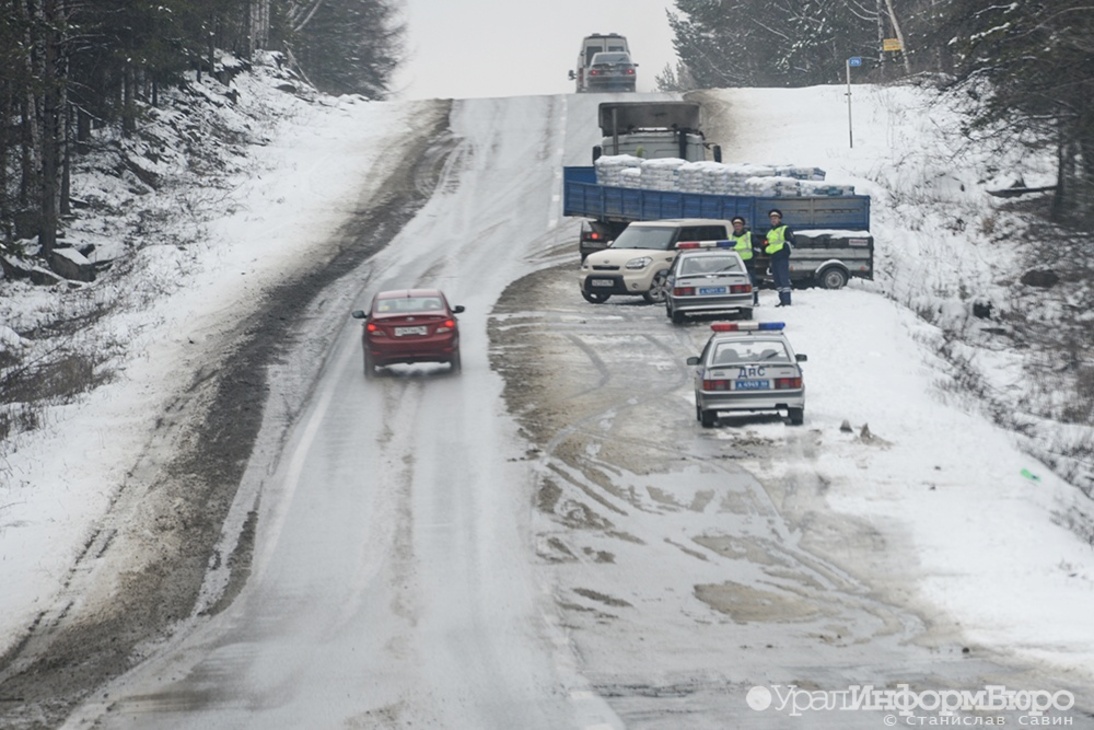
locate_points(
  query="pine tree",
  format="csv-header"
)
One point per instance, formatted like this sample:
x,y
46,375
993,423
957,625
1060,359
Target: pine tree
x,y
1031,65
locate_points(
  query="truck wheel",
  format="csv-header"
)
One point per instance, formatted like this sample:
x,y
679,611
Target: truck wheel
x,y
797,416
709,419
595,297
832,278
658,288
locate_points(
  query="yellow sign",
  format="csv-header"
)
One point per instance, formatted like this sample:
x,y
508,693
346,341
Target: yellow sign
x,y
891,44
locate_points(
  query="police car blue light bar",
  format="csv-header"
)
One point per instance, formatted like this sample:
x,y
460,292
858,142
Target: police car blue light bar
x,y
705,244
747,326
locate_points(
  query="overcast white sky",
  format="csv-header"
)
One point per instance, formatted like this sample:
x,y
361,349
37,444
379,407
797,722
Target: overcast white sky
x,y
477,48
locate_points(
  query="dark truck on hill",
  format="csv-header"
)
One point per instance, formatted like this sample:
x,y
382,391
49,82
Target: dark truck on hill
x,y
833,239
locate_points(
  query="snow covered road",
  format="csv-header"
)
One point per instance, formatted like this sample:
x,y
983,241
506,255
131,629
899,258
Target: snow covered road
x,y
550,540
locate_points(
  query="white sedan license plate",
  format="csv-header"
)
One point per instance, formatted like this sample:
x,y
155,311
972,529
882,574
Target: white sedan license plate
x,y
751,384
712,290
601,282
404,331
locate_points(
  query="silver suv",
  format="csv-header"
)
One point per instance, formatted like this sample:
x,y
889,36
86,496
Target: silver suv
x,y
637,262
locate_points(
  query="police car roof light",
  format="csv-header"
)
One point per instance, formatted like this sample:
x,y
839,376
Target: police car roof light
x,y
705,244
747,326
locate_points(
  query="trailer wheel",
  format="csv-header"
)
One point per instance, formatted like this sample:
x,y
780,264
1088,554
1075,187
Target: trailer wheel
x,y
595,297
832,278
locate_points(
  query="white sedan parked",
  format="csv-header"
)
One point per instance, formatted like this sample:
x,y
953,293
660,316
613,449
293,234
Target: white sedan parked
x,y
747,368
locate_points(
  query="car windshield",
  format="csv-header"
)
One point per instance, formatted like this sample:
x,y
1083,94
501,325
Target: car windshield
x,y
611,58
750,351
404,305
654,239
697,265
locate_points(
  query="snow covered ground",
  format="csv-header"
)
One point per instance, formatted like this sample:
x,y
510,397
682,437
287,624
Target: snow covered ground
x,y
987,523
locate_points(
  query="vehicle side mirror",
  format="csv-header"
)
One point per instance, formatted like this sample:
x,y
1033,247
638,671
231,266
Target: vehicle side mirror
x,y
801,358
572,76
693,360
359,314
457,309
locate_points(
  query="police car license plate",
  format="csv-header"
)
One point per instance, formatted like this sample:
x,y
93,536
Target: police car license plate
x,y
712,290
404,331
601,282
751,384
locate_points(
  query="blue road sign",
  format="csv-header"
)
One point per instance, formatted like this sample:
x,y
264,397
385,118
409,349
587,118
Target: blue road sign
x,y
854,61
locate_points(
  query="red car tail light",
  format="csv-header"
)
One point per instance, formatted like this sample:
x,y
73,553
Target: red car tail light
x,y
716,385
788,383
374,329
446,326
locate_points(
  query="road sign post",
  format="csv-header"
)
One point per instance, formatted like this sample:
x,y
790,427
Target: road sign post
x,y
852,61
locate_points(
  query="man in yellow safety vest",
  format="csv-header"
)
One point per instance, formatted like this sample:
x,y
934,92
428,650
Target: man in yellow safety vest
x,y
777,244
744,245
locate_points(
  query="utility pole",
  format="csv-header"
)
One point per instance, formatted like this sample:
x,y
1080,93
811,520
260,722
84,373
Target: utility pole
x,y
852,61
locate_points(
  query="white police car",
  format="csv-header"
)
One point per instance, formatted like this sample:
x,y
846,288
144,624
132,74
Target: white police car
x,y
707,277
746,368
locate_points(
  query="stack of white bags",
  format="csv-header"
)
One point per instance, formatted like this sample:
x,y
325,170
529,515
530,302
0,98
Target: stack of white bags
x,y
716,178
609,169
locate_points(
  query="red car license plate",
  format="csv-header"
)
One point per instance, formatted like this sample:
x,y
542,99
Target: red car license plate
x,y
404,331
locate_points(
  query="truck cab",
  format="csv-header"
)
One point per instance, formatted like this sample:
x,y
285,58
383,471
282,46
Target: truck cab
x,y
590,46
653,130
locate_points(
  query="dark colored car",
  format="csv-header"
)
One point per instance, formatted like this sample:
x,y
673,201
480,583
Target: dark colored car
x,y
612,71
592,240
409,326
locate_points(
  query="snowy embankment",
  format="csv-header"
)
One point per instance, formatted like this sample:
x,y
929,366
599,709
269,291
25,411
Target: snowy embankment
x,y
192,258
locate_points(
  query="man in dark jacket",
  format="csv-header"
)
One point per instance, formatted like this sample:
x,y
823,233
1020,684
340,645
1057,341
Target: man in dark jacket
x,y
777,244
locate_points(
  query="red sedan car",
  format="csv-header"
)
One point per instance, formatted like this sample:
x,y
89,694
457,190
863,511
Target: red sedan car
x,y
410,325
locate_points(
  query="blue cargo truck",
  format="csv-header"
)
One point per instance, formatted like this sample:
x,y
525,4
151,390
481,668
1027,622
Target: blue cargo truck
x,y
833,239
